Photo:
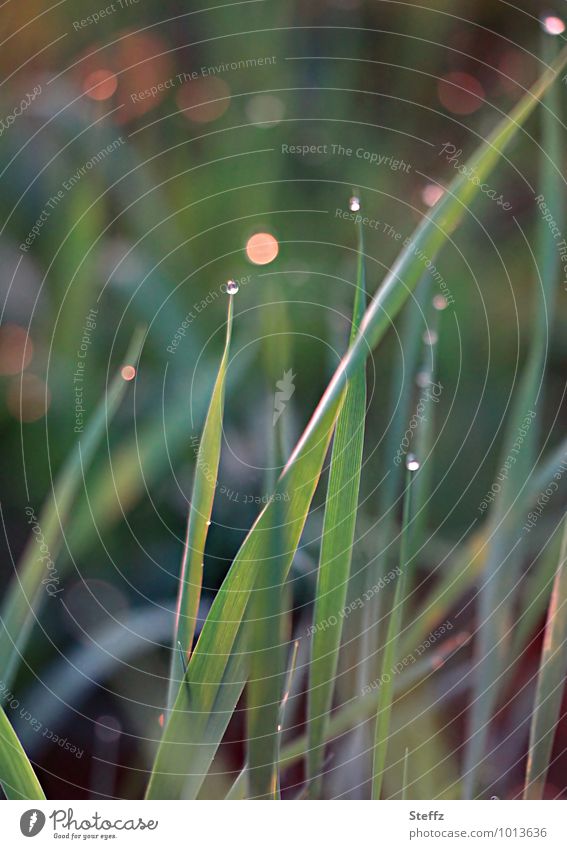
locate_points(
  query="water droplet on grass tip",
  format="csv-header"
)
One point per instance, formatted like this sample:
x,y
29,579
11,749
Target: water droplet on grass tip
x,y
354,204
232,287
412,463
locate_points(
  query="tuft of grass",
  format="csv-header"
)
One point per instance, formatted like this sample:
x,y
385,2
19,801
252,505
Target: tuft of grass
x,y
550,682
216,672
339,522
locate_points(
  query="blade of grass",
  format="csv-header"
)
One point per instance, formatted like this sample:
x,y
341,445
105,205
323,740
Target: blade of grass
x,y
292,666
386,690
213,666
267,619
405,775
425,431
502,570
200,510
17,778
240,786
26,590
336,547
267,672
550,682
402,390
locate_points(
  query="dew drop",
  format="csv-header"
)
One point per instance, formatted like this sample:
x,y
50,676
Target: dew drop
x,y
440,302
232,287
423,379
412,463
354,204
552,24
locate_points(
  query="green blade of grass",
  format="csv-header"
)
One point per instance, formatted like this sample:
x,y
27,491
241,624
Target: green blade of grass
x,y
17,778
239,789
504,558
267,674
240,786
336,548
213,666
405,775
550,682
200,510
425,432
402,390
386,687
267,619
26,590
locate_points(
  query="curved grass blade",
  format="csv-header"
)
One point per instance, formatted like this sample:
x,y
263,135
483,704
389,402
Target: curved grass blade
x,y
192,732
17,778
200,510
504,558
386,690
550,682
26,589
336,548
